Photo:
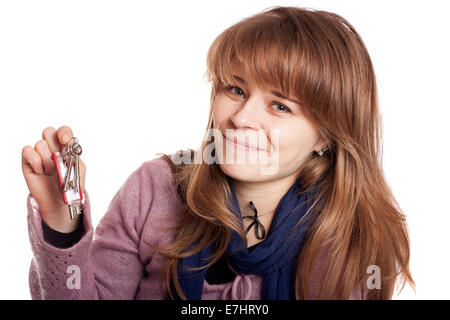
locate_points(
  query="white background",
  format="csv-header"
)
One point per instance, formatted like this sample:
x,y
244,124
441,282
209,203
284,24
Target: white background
x,y
127,76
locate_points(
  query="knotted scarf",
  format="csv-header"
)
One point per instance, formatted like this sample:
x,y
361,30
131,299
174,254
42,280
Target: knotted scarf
x,y
275,257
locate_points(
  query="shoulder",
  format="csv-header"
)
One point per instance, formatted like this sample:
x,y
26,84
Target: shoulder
x,y
149,191
156,176
161,205
152,178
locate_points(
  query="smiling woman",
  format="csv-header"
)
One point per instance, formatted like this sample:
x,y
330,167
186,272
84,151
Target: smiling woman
x,y
294,86
306,75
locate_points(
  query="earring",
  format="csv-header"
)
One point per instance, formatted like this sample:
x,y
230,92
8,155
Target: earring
x,y
320,152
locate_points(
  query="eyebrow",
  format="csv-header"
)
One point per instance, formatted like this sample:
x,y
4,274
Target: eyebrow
x,y
276,93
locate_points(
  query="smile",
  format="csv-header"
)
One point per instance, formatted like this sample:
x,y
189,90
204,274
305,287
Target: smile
x,y
243,146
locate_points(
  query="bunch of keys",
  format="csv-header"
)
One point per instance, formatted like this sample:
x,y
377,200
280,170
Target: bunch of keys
x,y
67,164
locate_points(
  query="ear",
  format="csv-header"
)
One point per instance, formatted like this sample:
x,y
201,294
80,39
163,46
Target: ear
x,y
322,143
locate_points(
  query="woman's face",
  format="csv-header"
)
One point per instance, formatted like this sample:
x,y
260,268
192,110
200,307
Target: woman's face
x,y
281,134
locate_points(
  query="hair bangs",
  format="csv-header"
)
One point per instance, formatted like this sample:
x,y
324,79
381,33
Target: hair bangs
x,y
262,53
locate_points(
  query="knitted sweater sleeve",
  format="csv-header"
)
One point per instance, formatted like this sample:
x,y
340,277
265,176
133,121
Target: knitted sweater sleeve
x,y
104,264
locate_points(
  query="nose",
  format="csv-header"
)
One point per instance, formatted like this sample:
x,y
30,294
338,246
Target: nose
x,y
248,116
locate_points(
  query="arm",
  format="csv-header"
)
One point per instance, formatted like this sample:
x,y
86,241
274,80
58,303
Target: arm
x,y
106,263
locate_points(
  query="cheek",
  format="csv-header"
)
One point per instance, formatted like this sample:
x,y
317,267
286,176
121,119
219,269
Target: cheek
x,y
296,142
221,112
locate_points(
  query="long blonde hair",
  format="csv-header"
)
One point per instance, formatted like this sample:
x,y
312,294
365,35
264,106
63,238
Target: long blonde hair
x,y
318,57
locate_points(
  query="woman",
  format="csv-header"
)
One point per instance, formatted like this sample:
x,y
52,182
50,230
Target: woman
x,y
284,200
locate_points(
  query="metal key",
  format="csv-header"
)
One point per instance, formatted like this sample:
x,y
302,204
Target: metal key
x,y
74,151
74,209
67,163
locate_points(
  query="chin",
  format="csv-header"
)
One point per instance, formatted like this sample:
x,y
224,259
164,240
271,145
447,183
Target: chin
x,y
247,165
245,172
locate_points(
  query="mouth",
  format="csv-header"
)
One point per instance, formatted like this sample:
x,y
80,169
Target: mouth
x,y
242,145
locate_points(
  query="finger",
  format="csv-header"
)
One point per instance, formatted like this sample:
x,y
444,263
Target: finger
x,y
31,159
43,150
49,135
64,134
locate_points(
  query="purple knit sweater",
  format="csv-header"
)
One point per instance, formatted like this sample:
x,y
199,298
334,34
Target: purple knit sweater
x,y
114,262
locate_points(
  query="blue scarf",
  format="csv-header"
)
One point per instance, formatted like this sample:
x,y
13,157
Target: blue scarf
x,y
275,257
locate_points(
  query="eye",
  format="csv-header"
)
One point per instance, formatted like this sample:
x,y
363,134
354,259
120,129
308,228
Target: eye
x,y
239,90
283,107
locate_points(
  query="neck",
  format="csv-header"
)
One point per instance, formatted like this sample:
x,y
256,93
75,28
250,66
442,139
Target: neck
x,y
265,194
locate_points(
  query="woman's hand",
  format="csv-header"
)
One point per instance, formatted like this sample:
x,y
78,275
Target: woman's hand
x,y
40,175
